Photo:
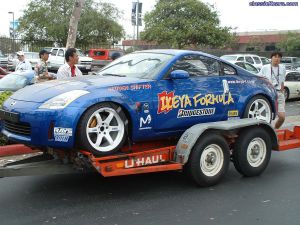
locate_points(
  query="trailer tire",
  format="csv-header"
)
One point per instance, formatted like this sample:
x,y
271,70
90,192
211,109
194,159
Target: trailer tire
x,y
252,152
209,160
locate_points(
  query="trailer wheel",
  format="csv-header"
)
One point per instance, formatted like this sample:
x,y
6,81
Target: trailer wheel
x,y
252,152
209,160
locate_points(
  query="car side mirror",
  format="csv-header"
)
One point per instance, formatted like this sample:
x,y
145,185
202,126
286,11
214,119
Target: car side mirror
x,y
179,74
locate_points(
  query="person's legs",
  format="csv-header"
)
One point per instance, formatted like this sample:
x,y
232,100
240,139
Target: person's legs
x,y
280,120
281,110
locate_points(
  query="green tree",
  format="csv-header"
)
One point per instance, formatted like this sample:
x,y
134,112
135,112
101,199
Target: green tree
x,y
49,20
182,23
290,43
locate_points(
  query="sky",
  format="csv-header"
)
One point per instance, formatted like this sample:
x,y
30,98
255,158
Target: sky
x,y
234,13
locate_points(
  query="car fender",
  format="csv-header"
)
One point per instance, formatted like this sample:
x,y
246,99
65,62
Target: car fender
x,y
189,138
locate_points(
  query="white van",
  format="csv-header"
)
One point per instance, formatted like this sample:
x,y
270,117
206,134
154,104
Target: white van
x,y
252,59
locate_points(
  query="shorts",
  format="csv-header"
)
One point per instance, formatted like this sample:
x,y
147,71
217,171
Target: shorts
x,y
281,101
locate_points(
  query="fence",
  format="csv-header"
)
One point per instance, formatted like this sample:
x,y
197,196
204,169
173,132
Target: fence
x,y
10,45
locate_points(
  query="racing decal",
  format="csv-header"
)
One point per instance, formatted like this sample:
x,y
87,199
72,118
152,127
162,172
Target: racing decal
x,y
241,81
62,134
145,123
146,108
170,101
144,161
233,113
130,87
182,113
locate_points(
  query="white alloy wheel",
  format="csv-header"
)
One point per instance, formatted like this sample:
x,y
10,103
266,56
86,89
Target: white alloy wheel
x,y
105,130
211,161
260,109
256,152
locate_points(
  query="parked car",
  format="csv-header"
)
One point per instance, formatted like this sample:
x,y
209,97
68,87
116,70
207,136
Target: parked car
x,y
291,63
292,85
16,80
57,58
247,66
3,72
265,60
101,57
252,59
144,95
3,61
32,57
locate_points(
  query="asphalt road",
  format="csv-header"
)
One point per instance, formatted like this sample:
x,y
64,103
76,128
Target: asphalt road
x,y
158,199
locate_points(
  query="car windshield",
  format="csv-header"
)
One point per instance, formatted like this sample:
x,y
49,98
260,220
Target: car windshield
x,y
79,52
12,82
229,57
140,65
286,60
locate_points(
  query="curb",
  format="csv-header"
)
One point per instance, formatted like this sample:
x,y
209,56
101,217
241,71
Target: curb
x,y
17,149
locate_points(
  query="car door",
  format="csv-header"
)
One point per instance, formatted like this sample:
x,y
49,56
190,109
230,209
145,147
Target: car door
x,y
202,97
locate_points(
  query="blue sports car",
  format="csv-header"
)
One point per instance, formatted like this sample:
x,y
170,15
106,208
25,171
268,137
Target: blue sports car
x,y
145,95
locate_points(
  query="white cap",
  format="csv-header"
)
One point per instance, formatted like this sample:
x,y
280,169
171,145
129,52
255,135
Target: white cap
x,y
20,53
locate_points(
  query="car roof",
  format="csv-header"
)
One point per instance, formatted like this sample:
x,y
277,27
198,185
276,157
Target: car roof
x,y
241,55
177,52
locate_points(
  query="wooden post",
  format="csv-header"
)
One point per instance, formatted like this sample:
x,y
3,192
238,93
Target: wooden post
x,y
74,23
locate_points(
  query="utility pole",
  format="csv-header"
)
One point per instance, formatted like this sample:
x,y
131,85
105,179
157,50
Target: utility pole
x,y
74,23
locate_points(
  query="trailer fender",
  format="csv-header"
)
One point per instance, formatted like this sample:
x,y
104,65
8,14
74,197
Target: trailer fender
x,y
189,138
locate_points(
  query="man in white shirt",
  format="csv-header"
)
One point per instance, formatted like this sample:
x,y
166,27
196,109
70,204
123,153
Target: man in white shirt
x,y
23,64
275,73
69,69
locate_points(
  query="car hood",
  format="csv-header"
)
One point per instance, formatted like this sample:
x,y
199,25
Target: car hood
x,y
41,92
84,58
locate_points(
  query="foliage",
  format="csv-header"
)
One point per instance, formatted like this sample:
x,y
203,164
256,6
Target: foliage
x,y
184,23
3,96
8,45
49,20
290,43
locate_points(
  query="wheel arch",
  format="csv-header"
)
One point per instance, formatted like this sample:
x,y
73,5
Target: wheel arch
x,y
228,129
125,110
273,106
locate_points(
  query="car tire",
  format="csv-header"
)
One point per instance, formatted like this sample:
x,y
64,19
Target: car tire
x,y
260,108
102,130
286,93
209,160
252,152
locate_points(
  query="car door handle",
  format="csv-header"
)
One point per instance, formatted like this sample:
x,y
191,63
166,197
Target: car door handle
x,y
225,86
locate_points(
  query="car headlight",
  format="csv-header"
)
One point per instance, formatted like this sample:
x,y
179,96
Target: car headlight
x,y
62,100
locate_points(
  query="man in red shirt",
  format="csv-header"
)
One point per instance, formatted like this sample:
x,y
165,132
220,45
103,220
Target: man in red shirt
x,y
69,69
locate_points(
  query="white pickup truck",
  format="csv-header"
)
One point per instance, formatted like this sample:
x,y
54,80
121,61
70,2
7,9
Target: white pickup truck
x,y
57,58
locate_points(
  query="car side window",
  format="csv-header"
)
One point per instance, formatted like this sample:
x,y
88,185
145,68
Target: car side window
x,y
228,70
289,77
250,68
54,51
198,65
240,59
249,60
257,60
60,52
99,53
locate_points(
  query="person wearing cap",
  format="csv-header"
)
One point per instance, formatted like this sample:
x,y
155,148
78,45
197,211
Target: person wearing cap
x,y
69,69
275,73
23,64
41,68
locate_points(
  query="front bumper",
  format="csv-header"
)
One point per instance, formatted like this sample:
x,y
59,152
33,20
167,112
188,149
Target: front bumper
x,y
40,127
